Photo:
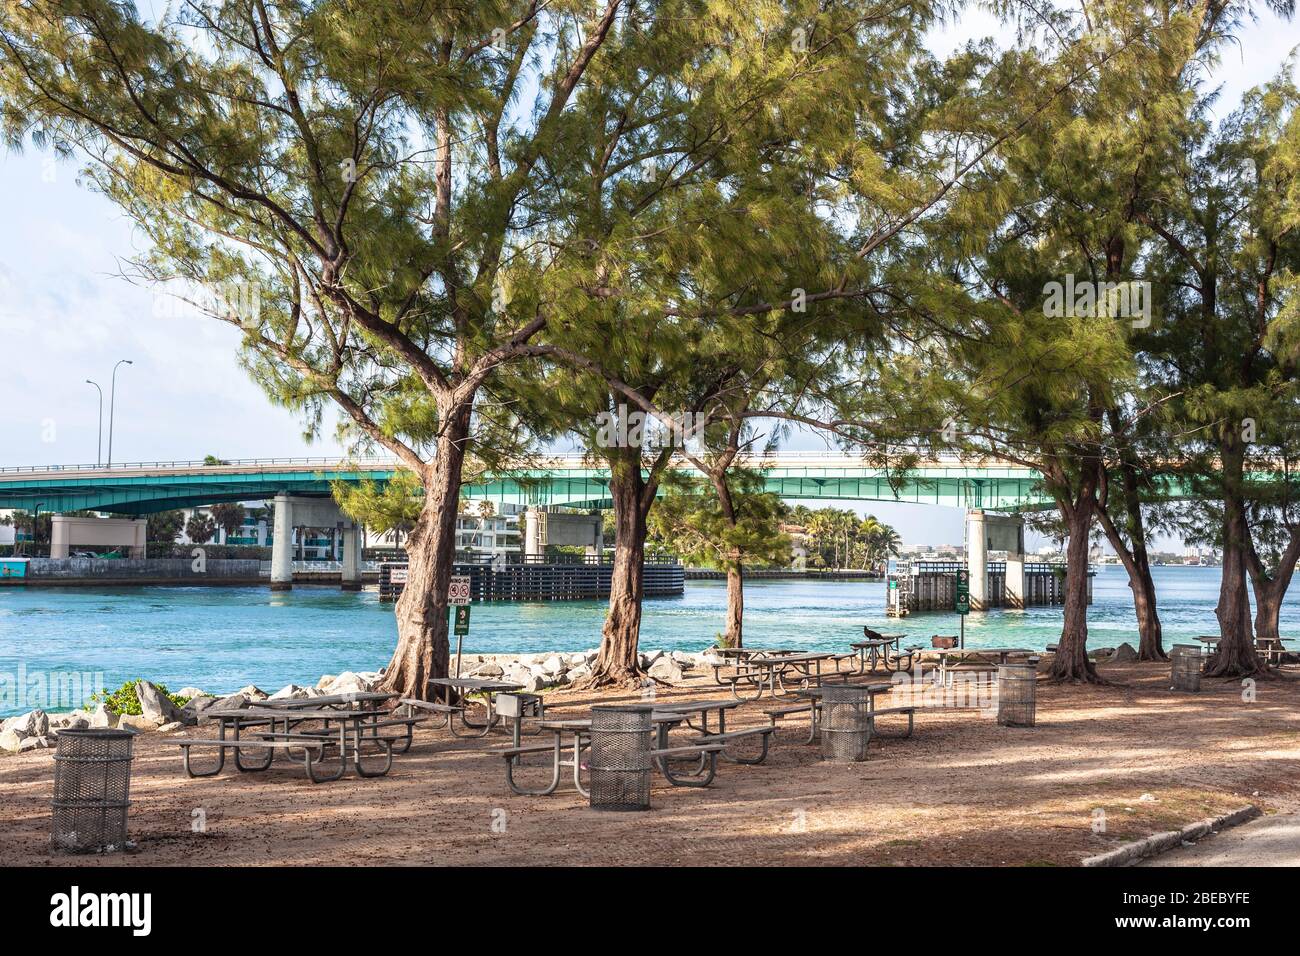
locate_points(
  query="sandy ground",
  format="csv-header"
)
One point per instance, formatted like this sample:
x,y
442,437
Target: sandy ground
x,y
1105,765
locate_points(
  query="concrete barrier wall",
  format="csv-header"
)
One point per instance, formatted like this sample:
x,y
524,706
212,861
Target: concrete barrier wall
x,y
138,570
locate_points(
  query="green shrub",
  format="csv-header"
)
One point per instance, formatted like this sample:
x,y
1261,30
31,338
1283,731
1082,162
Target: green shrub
x,y
124,701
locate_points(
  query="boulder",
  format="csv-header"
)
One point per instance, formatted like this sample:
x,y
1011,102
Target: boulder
x,y
516,673
1123,654
192,692
156,705
197,705
683,659
252,692
325,681
138,723
554,664
535,682
577,673
35,743
488,669
34,723
71,721
101,718
349,683
230,702
289,692
665,669
171,728
11,741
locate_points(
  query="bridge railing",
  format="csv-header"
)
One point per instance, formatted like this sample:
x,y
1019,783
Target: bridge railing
x,y
328,462
378,462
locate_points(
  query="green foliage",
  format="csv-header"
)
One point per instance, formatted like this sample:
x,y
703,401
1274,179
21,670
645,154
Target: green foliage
x,y
200,528
229,516
164,526
124,701
394,505
688,522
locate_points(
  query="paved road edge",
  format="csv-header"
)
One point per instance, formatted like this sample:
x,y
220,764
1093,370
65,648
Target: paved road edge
x,y
1159,843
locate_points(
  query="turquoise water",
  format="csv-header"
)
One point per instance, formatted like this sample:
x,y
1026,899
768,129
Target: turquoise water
x,y
222,638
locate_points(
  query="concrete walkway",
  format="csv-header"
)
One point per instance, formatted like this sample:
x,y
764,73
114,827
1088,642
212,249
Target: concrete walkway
x,y
1268,841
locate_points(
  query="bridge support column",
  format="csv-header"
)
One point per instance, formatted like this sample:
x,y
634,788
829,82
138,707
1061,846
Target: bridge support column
x,y
532,532
282,546
351,577
1015,587
977,559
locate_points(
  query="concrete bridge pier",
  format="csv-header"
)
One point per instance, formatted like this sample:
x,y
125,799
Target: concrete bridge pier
x,y
351,578
1015,582
282,545
977,559
991,532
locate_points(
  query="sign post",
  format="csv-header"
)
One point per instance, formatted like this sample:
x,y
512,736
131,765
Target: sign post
x,y
458,598
963,602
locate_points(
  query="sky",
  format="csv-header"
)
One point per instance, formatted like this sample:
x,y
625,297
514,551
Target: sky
x,y
67,315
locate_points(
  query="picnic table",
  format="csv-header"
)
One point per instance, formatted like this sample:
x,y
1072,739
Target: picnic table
x,y
571,734
1272,650
694,714
1208,643
466,686
814,696
277,726
944,654
875,650
768,673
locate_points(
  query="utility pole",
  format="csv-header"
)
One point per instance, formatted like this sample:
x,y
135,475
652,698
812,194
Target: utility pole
x,y
99,435
112,398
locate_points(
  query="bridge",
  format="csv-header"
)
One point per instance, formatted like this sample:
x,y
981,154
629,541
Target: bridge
x,y
142,488
301,487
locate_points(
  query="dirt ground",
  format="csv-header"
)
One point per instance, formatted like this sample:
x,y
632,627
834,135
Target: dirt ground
x,y
1104,765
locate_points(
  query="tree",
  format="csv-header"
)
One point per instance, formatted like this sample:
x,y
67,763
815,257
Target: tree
x,y
229,517
1228,254
1034,380
383,207
165,526
693,521
200,528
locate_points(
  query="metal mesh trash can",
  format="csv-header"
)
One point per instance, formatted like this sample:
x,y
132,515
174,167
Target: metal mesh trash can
x,y
620,757
92,784
1017,695
845,724
1185,661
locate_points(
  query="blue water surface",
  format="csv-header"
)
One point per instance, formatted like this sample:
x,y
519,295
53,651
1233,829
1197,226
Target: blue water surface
x,y
223,638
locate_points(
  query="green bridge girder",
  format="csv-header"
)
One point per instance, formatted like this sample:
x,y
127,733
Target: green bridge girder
x,y
145,489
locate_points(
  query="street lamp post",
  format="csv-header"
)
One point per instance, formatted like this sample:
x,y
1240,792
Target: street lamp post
x,y
112,397
99,435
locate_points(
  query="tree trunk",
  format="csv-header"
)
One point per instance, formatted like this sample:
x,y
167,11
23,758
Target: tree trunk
x,y
734,634
1071,661
423,650
1140,582
619,660
1268,607
1235,655
1270,589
